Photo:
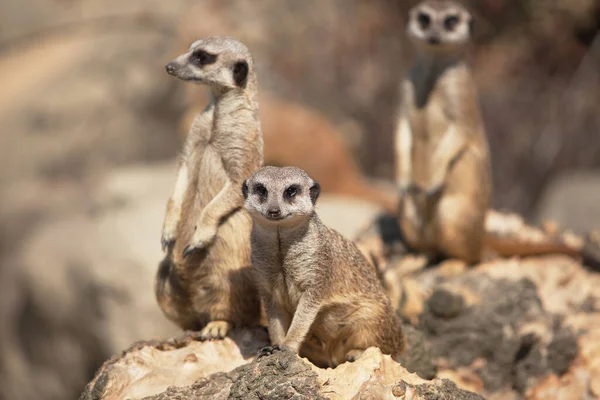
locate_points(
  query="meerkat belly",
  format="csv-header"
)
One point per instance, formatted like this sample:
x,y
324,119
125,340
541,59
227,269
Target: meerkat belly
x,y
428,125
211,176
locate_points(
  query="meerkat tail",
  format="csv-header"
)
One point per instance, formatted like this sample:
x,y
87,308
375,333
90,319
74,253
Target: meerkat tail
x,y
509,247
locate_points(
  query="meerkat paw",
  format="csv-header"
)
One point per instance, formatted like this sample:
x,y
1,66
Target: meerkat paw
x,y
168,234
167,239
215,330
435,190
269,350
202,237
354,355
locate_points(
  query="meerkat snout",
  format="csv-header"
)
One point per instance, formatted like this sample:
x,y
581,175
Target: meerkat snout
x,y
170,67
274,212
275,195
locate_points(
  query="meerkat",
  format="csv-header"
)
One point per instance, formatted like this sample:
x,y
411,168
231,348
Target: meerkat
x,y
322,298
443,166
204,282
443,163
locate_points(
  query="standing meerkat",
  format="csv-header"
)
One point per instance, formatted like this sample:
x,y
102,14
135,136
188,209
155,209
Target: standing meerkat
x,y
443,167
322,298
443,163
204,281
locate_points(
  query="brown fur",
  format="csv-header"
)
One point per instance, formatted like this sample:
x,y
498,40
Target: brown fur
x,y
442,156
204,281
322,297
442,152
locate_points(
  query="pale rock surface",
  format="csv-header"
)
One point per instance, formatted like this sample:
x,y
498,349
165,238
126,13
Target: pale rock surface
x,y
184,368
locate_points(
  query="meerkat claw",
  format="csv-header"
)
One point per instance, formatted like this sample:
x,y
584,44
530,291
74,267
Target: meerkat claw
x,y
188,250
166,243
435,190
269,350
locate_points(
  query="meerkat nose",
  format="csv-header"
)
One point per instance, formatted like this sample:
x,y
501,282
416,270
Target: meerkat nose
x,y
434,40
274,212
170,68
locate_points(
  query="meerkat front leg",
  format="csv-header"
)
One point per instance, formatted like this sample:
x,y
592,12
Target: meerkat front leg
x,y
174,204
403,142
305,315
279,322
224,203
229,199
449,150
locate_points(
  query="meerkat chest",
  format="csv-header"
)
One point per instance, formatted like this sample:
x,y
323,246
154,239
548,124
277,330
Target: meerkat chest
x,y
430,121
296,274
430,117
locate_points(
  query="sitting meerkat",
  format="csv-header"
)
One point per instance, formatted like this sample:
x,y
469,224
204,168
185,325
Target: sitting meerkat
x,y
322,298
204,281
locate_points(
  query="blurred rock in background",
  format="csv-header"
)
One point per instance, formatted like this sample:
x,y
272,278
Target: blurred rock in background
x,y
89,128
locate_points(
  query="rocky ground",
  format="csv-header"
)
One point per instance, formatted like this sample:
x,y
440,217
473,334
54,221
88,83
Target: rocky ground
x,y
229,370
505,329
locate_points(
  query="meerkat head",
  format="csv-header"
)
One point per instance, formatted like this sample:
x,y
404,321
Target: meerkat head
x,y
280,195
218,61
439,25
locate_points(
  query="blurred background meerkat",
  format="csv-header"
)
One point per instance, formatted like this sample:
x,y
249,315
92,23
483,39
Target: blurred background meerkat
x,y
443,167
443,163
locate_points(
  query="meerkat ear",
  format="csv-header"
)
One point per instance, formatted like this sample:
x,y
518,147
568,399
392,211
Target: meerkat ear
x,y
245,189
240,73
314,190
471,25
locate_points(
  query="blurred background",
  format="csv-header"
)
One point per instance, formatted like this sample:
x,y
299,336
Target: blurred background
x,y
91,124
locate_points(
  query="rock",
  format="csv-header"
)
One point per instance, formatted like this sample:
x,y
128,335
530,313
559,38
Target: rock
x,y
506,328
184,368
83,287
572,199
345,214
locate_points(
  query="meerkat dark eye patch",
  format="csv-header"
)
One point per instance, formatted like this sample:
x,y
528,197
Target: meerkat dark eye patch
x,y
315,190
292,192
201,57
261,191
424,20
471,25
240,73
451,22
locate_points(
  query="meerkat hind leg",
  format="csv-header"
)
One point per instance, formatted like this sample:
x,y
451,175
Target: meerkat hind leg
x,y
215,330
460,229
